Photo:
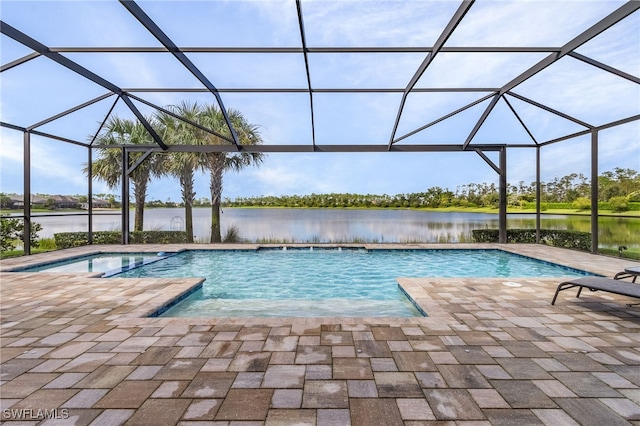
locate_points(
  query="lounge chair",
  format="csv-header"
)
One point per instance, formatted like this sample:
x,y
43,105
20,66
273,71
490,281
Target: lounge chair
x,y
632,272
616,286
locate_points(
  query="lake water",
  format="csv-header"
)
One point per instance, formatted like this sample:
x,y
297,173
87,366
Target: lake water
x,y
337,225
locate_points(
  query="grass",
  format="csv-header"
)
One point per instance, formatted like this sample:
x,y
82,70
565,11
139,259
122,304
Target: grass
x,y
232,235
17,253
44,245
626,254
47,244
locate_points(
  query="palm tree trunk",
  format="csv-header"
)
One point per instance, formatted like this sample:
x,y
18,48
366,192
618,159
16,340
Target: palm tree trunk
x,y
140,194
188,214
186,182
216,166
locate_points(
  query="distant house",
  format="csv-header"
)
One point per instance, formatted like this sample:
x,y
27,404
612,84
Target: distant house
x,y
65,202
59,201
38,201
96,204
17,201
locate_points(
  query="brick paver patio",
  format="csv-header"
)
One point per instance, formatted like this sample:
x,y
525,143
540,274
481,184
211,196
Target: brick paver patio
x,y
81,350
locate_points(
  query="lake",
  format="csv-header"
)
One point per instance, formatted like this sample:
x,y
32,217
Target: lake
x,y
338,225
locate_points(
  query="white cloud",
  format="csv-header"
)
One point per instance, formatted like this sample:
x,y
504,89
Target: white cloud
x,y
583,91
615,47
280,174
528,22
370,23
491,70
55,167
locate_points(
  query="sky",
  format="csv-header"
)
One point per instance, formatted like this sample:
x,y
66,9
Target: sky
x,y
40,88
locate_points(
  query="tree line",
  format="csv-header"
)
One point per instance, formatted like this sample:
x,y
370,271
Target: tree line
x,y
616,186
182,166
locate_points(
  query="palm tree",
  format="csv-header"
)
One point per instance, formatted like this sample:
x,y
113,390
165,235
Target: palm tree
x,y
182,165
217,162
108,166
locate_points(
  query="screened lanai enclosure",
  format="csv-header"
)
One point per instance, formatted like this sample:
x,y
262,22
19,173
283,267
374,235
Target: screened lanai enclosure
x,y
399,91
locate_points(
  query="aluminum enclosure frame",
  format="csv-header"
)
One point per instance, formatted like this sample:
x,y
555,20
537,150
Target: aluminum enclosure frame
x,y
495,94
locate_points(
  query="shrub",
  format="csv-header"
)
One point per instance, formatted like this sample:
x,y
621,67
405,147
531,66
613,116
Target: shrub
x,y
553,237
158,237
619,204
232,235
12,229
581,203
74,239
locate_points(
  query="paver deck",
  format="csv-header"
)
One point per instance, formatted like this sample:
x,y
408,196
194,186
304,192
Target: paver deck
x,y
76,349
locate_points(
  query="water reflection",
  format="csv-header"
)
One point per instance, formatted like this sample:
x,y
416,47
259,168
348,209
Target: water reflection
x,y
354,225
328,225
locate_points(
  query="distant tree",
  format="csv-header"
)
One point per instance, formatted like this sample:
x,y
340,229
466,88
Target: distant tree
x,y
113,203
491,199
5,201
50,203
618,182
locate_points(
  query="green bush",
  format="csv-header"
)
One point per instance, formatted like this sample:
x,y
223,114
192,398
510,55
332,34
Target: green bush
x,y
553,237
158,237
546,206
12,230
619,204
582,204
558,206
74,239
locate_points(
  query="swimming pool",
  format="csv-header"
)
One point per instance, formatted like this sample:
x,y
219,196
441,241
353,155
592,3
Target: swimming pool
x,y
325,282
109,263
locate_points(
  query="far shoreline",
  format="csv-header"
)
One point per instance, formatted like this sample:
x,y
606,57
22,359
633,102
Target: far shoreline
x,y
485,210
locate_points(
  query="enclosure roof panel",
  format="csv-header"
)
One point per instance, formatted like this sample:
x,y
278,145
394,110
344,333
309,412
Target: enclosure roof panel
x,y
307,72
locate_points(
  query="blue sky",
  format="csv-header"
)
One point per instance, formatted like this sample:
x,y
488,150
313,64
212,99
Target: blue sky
x,y
40,88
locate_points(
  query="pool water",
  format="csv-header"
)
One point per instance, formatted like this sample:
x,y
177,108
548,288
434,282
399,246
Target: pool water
x,y
110,263
325,282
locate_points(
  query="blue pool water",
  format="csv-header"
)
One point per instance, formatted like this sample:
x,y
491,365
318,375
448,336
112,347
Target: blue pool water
x,y
325,282
110,263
